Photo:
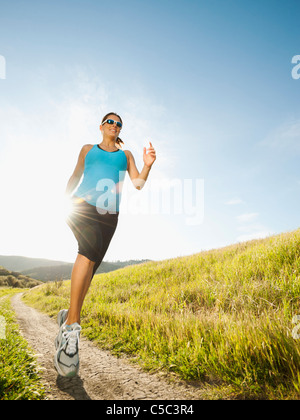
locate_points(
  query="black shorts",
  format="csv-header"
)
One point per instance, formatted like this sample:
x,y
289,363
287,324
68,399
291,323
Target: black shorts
x,y
92,230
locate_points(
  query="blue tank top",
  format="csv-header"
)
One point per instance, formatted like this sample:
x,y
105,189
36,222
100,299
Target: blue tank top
x,y
103,177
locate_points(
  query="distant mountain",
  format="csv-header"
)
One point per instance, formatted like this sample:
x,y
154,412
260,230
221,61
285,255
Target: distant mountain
x,y
15,279
50,270
18,263
63,272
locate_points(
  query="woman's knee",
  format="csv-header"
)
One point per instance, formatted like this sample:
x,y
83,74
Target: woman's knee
x,y
86,260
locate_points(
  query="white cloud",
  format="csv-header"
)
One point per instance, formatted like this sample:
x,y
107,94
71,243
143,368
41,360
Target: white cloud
x,y
255,235
250,228
285,137
234,202
247,217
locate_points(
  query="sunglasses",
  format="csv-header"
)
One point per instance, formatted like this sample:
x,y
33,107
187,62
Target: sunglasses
x,y
111,122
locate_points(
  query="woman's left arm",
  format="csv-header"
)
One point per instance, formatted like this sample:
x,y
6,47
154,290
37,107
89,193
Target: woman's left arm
x,y
139,178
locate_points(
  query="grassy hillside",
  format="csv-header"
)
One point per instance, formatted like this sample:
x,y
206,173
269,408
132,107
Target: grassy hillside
x,y
15,279
223,317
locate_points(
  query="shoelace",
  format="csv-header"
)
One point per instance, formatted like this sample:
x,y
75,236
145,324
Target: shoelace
x,y
72,340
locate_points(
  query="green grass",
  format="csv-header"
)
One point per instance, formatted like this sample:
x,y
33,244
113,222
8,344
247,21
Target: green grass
x,y
19,375
222,317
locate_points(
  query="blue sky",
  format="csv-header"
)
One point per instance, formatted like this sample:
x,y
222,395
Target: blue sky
x,y
207,82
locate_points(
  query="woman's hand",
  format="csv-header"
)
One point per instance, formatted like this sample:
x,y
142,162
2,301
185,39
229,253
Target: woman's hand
x,y
149,157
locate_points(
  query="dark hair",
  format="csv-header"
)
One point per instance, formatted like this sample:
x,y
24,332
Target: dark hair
x,y
119,142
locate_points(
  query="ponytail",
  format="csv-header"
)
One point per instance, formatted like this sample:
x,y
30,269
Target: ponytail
x,y
119,142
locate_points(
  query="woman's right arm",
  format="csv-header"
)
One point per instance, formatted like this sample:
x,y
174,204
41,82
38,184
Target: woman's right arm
x,y
78,171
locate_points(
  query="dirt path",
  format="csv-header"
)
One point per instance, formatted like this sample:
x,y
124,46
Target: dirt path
x,y
102,376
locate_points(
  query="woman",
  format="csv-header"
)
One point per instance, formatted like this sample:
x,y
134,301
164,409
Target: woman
x,y
93,221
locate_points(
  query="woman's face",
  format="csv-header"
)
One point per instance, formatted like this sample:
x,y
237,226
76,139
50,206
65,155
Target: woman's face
x,y
111,130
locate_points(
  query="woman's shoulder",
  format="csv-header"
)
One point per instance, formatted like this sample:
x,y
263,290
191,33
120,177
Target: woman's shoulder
x,y
84,151
87,147
127,153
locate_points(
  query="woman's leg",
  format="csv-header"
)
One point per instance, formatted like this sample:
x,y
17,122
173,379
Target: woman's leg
x,y
80,282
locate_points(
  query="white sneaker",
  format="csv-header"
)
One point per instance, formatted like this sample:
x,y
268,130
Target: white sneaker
x,y
66,359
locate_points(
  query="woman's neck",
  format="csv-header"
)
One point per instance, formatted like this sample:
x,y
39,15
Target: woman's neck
x,y
108,144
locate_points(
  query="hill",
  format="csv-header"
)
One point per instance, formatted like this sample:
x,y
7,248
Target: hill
x,y
15,279
51,270
63,272
20,263
223,317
